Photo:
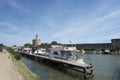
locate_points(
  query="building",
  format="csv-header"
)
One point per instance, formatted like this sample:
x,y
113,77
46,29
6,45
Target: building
x,y
94,46
115,43
36,42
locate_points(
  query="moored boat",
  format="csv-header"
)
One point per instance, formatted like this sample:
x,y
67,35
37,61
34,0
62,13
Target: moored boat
x,y
106,52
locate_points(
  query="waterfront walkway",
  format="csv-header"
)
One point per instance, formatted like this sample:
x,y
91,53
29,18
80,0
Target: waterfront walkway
x,y
7,69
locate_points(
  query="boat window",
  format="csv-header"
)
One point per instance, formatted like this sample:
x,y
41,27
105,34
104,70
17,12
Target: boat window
x,y
55,53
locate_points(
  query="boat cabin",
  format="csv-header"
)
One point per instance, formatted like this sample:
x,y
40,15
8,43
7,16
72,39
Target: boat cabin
x,y
62,52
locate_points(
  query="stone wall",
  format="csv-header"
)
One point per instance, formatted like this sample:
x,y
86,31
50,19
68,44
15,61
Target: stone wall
x,y
94,46
115,43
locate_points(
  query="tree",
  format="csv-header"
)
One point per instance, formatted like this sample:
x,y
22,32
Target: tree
x,y
45,45
1,45
17,56
28,45
14,46
54,43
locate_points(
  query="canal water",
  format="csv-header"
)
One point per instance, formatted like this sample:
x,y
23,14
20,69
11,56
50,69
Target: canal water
x,y
106,67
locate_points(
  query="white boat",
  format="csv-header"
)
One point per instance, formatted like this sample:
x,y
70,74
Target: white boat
x,y
40,51
106,52
82,51
65,53
98,51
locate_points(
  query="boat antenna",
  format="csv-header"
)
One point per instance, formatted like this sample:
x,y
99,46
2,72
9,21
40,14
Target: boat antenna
x,y
70,42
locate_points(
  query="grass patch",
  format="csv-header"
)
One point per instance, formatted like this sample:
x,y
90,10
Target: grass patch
x,y
23,70
16,55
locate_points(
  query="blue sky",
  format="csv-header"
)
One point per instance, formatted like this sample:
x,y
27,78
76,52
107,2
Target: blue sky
x,y
81,21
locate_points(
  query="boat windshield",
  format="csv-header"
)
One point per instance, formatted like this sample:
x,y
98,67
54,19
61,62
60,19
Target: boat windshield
x,y
73,54
66,53
76,55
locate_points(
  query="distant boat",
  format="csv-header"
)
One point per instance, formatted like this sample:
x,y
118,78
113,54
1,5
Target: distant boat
x,y
82,51
40,51
106,52
98,51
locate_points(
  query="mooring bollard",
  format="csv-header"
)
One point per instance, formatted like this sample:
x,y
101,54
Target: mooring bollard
x,y
85,73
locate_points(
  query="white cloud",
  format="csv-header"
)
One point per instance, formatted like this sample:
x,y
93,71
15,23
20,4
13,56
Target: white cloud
x,y
92,30
108,16
2,35
13,27
62,33
15,4
64,26
19,35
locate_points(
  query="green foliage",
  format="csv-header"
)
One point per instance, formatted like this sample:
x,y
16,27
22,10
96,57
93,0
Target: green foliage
x,y
11,51
14,46
28,45
24,71
16,55
1,46
54,43
45,45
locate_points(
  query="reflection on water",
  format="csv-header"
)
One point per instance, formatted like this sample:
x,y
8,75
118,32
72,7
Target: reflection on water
x,y
45,72
106,67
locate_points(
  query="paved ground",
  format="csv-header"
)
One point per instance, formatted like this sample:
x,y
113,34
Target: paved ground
x,y
7,69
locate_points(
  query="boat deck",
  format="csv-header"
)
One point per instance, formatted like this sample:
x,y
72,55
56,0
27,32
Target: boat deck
x,y
87,69
82,65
